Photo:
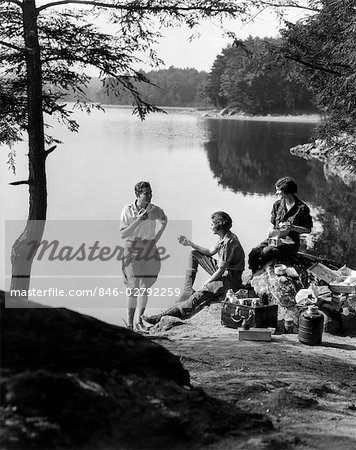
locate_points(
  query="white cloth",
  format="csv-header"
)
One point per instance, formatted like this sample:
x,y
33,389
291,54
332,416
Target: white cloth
x,y
147,228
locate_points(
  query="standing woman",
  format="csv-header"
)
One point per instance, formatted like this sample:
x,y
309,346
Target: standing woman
x,y
141,262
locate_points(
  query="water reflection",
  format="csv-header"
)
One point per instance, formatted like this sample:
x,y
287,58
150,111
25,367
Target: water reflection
x,y
248,157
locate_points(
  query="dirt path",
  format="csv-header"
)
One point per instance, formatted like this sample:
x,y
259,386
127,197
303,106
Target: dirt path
x,y
308,392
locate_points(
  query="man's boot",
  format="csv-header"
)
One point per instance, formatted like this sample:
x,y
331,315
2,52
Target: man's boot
x,y
174,311
188,286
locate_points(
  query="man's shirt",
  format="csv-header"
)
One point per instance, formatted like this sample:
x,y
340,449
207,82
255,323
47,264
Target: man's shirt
x,y
147,228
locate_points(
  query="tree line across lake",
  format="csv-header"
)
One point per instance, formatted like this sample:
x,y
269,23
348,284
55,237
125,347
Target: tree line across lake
x,y
247,76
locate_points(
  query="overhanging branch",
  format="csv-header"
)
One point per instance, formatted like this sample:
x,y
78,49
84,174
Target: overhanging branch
x,y
17,183
50,150
12,46
137,7
289,5
15,2
313,66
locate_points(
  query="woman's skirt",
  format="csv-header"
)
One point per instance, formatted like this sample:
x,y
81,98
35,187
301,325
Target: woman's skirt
x,y
140,264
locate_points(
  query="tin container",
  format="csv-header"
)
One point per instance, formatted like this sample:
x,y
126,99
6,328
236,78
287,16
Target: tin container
x,y
280,269
311,324
339,288
323,273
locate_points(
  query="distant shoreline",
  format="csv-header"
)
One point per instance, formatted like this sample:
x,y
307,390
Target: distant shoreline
x,y
302,118
214,114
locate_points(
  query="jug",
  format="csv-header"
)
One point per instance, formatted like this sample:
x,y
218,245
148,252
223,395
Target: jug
x,y
311,324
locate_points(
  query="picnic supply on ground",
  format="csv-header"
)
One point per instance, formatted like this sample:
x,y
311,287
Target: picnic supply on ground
x,y
257,302
233,313
311,323
307,296
291,272
341,281
280,269
345,285
323,273
255,334
241,293
229,295
288,325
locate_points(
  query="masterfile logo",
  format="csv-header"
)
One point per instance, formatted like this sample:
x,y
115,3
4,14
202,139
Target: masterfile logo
x,y
80,263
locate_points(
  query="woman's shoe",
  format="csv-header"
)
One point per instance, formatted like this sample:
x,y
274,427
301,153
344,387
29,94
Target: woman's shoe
x,y
141,328
188,286
151,320
174,311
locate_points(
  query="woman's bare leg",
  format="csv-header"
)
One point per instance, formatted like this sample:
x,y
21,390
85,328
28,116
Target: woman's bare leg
x,y
131,308
141,306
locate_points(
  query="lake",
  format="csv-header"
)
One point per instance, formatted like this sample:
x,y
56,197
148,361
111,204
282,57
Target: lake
x,y
196,166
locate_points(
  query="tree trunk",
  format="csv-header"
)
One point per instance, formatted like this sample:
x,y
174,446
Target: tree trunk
x,y
21,258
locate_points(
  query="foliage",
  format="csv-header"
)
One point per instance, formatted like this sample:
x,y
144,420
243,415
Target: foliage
x,y
70,42
168,87
248,77
213,90
324,45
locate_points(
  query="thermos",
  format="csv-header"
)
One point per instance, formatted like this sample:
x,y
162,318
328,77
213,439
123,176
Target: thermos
x,y
311,324
229,295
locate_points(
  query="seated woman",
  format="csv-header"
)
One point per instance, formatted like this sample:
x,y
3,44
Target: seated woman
x,y
290,217
225,272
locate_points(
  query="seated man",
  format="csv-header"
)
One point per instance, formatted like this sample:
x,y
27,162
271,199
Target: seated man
x,y
290,217
225,272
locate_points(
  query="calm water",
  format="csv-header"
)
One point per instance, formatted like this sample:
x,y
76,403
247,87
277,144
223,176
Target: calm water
x,y
196,166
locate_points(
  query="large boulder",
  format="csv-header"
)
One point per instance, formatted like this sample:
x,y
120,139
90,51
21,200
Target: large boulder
x,y
64,340
338,155
70,381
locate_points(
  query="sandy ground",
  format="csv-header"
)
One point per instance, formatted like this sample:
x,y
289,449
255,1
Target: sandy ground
x,y
308,392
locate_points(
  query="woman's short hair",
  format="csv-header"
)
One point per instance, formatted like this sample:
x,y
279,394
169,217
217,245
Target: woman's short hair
x,y
287,185
222,220
140,186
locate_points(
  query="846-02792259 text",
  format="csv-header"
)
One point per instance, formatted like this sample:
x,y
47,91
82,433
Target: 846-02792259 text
x,y
96,291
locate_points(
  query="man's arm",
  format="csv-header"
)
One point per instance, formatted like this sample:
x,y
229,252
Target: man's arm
x,y
127,231
163,223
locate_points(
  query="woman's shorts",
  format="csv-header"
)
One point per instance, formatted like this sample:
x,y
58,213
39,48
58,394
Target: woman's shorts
x,y
141,264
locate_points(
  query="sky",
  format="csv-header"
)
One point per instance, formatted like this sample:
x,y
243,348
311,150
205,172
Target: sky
x,y
176,50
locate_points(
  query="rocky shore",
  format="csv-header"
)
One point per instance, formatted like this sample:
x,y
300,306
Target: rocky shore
x,y
228,113
339,158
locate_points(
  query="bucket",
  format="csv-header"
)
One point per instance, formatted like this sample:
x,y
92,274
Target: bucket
x,y
311,324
